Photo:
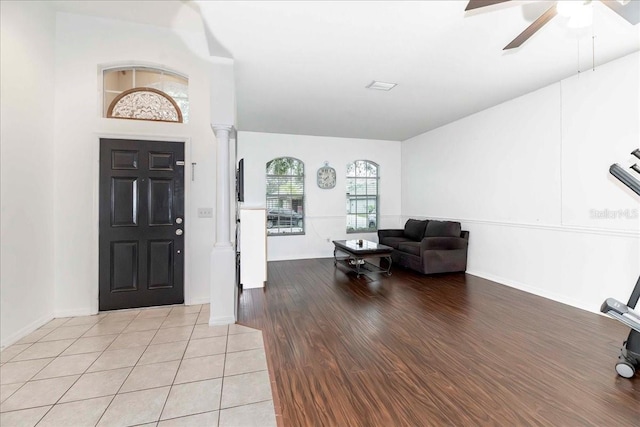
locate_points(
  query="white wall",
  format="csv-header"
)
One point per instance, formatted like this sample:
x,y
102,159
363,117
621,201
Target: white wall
x,y
325,214
600,126
83,45
525,177
26,94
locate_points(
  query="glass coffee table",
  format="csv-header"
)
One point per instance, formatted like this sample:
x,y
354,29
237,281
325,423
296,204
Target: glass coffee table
x,y
355,253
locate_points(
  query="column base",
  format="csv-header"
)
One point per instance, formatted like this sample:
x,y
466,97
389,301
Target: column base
x,y
223,285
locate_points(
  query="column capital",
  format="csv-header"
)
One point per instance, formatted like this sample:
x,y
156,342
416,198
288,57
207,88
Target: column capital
x,y
221,130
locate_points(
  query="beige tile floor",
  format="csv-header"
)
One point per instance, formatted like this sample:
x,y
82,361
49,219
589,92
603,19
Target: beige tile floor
x,y
152,367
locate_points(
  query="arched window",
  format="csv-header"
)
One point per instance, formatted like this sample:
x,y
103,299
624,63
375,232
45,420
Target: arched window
x,y
145,103
144,93
285,196
362,196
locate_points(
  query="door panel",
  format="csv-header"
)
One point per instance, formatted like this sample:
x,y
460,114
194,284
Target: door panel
x,y
124,159
161,161
160,264
160,202
124,266
124,202
141,243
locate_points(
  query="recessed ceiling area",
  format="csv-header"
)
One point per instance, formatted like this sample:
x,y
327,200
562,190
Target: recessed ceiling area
x,y
301,67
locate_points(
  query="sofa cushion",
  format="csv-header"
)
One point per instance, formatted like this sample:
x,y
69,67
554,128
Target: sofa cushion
x,y
442,229
412,248
444,243
414,229
394,241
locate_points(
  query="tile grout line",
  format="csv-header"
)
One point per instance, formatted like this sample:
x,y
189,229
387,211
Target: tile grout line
x,y
152,388
105,350
132,391
79,376
224,368
206,412
164,405
132,367
249,404
29,344
275,398
53,360
103,335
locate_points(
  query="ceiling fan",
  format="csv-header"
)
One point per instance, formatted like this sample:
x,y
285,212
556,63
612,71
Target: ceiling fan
x,y
627,9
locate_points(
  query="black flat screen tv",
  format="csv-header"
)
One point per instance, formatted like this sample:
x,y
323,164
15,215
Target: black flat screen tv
x,y
240,181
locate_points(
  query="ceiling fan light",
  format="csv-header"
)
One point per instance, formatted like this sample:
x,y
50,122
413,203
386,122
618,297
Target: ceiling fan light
x,y
581,19
570,8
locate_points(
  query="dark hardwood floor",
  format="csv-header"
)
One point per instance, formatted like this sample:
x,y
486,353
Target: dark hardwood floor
x,y
451,350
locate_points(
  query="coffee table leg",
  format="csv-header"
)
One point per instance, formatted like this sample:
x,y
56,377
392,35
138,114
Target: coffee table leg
x,y
389,266
357,260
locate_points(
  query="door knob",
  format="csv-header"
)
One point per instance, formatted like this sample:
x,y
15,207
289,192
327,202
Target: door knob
x,y
178,220
179,232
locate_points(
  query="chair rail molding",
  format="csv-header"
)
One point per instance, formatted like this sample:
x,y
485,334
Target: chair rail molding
x,y
562,228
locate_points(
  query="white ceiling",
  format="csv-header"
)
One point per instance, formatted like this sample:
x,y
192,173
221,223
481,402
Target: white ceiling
x,y
302,67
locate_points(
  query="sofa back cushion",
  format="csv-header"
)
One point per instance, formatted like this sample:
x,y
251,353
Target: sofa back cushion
x,y
414,229
442,229
394,242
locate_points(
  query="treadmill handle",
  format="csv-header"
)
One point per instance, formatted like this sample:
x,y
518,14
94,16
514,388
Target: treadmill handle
x,y
622,313
625,177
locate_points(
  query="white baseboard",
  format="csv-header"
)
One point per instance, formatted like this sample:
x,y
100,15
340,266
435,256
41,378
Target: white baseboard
x,y
534,290
74,313
224,320
302,256
17,336
201,300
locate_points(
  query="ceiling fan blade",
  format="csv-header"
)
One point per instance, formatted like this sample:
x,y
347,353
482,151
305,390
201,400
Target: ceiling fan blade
x,y
629,11
531,29
476,4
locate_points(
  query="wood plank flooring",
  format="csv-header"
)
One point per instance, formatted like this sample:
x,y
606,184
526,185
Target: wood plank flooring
x,y
450,350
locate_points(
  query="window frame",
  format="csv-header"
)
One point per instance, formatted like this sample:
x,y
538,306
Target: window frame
x,y
183,102
290,196
366,196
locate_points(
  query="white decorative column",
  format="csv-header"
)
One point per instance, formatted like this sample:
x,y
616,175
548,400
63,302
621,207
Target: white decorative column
x,y
223,255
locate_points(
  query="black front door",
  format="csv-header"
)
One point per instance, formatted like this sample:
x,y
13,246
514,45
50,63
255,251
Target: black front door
x,y
141,223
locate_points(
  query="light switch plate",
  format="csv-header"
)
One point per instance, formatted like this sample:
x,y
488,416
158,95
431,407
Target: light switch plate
x,y
205,212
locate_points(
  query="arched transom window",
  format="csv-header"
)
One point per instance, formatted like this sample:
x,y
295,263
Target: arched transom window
x,y
145,94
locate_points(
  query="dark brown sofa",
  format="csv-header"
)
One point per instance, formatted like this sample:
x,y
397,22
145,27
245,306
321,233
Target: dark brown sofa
x,y
428,246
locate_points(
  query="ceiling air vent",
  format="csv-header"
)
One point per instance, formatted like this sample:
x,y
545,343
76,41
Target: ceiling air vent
x,y
380,85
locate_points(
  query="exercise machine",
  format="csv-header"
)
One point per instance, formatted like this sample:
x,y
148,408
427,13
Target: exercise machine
x,y
629,359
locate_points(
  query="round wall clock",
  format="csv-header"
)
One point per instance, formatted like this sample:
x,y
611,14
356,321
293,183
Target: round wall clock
x,y
326,177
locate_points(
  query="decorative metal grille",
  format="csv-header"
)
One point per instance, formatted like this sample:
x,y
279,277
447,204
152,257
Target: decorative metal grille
x,y
145,104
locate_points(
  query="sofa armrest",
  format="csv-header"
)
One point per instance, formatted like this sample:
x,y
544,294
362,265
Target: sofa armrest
x,y
389,233
443,243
